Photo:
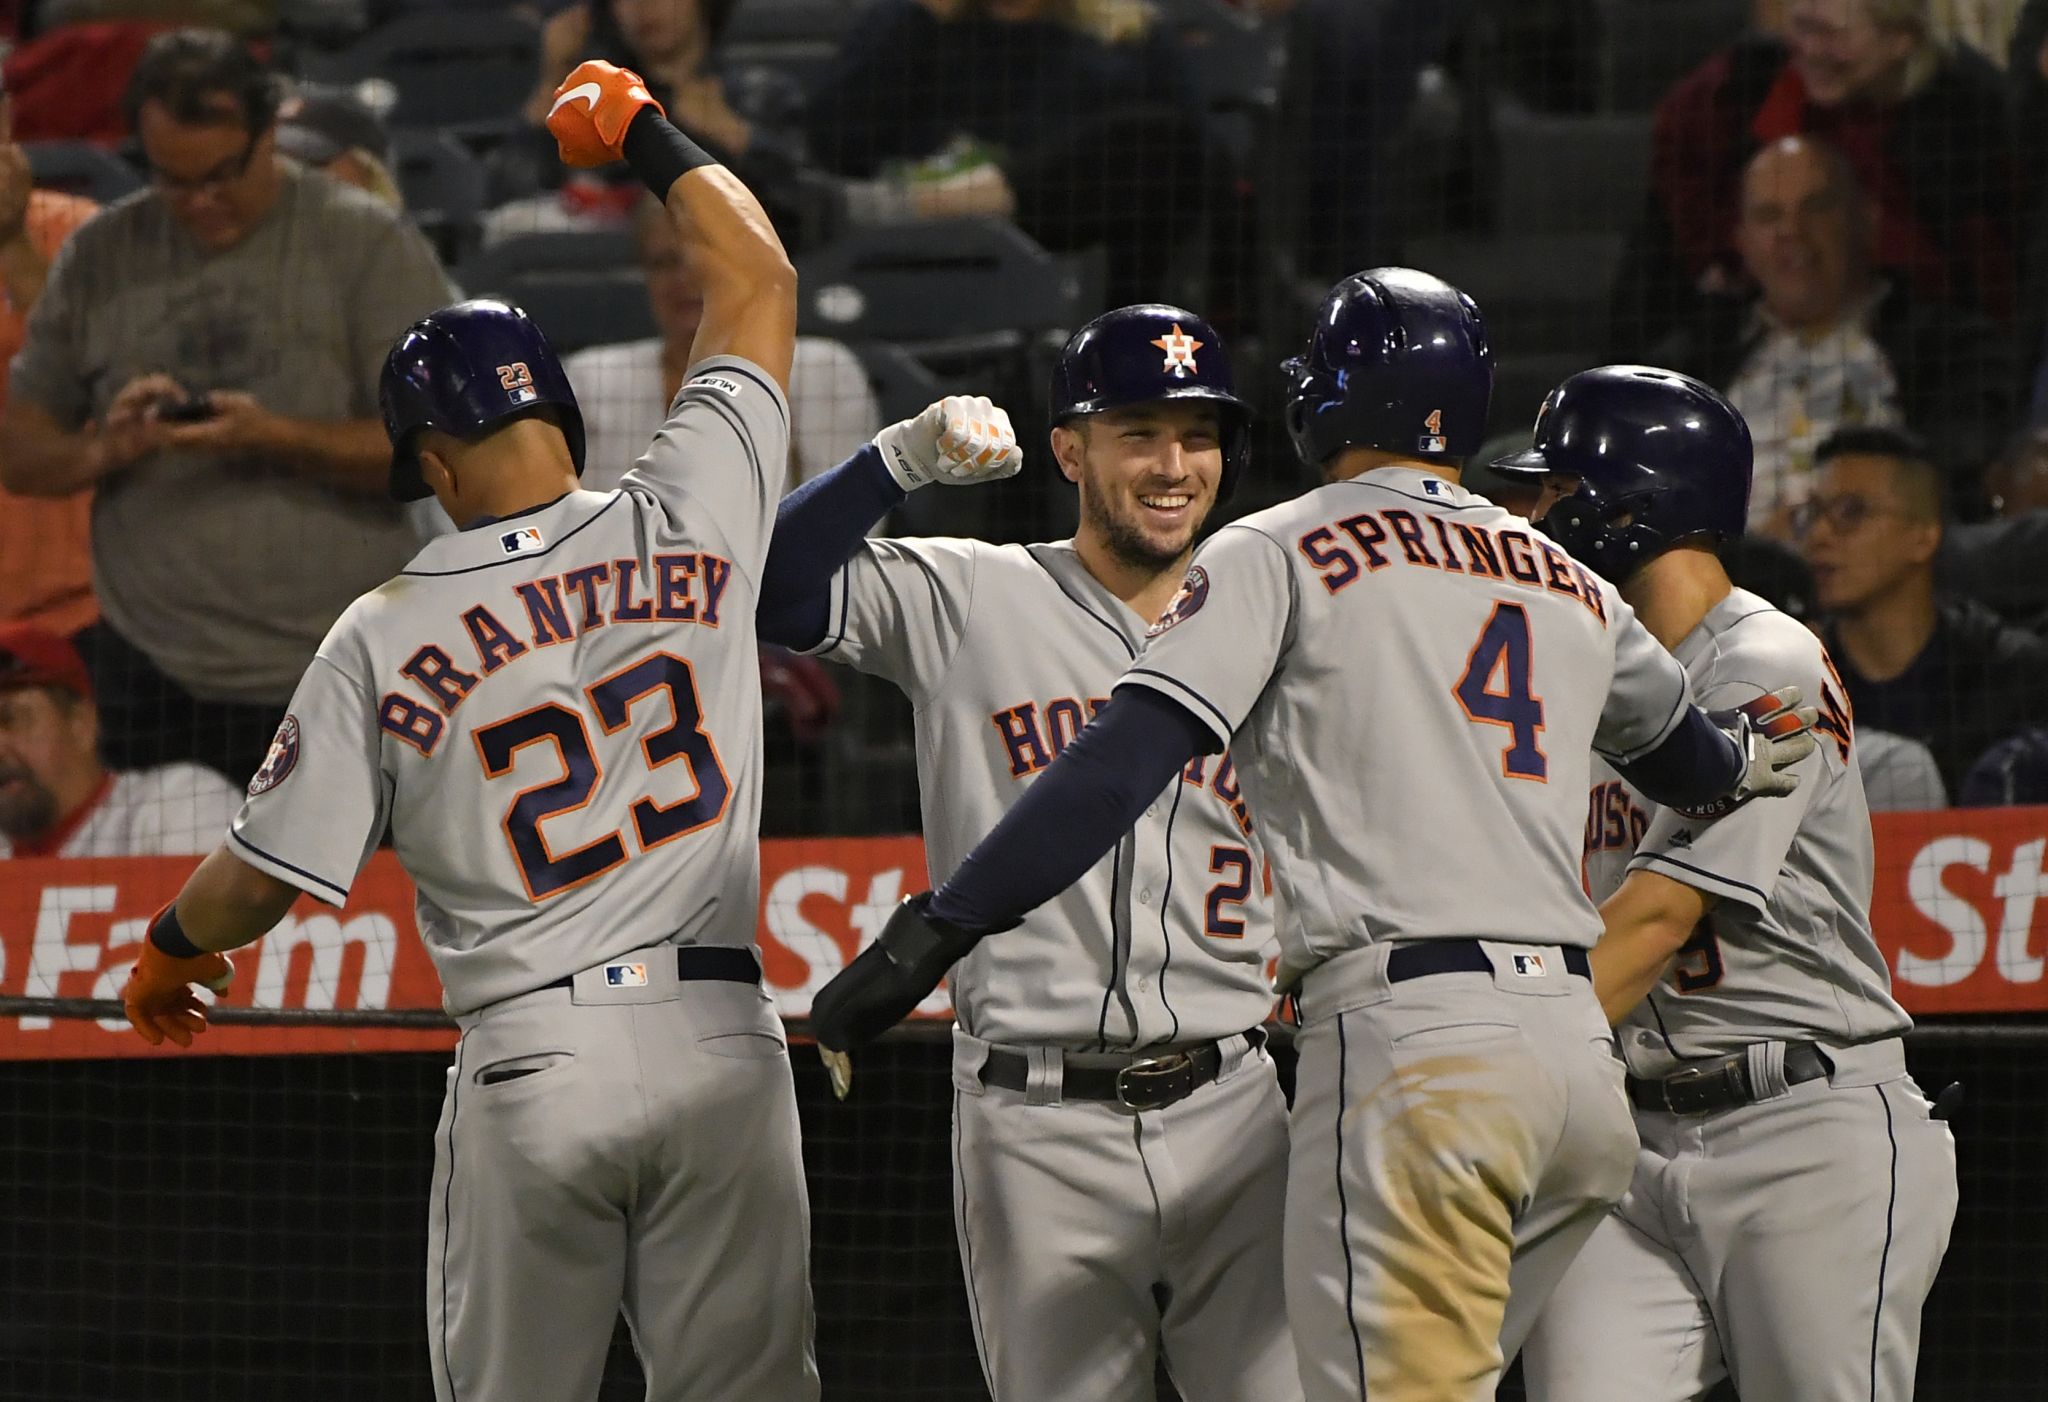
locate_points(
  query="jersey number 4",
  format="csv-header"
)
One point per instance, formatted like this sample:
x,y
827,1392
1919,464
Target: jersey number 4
x,y
1495,691
548,873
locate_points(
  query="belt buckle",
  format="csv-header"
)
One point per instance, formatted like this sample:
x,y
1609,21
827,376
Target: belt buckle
x,y
1689,1092
1155,1082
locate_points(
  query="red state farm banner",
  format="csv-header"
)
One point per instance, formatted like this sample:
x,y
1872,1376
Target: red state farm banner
x,y
70,929
1957,909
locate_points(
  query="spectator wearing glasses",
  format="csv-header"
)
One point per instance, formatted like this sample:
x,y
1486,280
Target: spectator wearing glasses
x,y
57,799
1943,671
205,357
45,550
1825,340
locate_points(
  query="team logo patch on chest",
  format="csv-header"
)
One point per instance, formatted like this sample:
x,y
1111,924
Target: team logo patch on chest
x,y
1194,592
523,541
625,975
1529,966
283,757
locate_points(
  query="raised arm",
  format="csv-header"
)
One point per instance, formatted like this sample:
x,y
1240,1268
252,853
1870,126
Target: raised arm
x,y
603,113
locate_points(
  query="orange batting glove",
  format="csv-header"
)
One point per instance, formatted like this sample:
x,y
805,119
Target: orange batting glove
x,y
158,996
592,110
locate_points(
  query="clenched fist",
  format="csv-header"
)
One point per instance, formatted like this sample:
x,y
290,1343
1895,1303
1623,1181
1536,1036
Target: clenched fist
x,y
158,996
593,108
959,440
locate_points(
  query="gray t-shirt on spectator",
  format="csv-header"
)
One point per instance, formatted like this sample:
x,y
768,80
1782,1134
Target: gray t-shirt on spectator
x,y
229,572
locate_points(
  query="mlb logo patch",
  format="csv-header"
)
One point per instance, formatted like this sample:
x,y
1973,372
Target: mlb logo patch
x,y
625,975
1433,486
523,541
1529,965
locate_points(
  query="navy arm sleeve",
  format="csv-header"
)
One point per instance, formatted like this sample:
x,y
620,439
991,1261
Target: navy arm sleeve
x,y
1696,764
817,529
1075,811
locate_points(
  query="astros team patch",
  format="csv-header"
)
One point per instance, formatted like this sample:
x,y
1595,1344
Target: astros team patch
x,y
1194,592
283,757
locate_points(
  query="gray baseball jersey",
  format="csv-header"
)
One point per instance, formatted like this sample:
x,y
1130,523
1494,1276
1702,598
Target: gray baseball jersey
x,y
1092,1238
1716,1264
559,717
1006,651
1423,762
1787,951
538,705
1414,679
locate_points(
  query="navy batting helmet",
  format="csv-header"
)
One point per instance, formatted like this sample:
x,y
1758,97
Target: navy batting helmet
x,y
466,370
1660,458
1146,353
1398,361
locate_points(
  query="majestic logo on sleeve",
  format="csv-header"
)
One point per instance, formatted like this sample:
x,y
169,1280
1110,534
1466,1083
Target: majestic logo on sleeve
x,y
1180,351
282,759
1194,592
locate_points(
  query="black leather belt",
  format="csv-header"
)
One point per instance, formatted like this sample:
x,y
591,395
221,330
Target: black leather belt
x,y
725,963
1147,1083
1722,1083
1424,957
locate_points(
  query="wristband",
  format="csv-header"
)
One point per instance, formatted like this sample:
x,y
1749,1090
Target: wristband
x,y
659,154
169,936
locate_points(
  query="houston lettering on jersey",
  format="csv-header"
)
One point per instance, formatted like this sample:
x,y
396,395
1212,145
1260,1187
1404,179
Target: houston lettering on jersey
x,y
1032,736
684,587
1347,550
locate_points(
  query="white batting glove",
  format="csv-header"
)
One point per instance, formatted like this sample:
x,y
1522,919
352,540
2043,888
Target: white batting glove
x,y
960,440
1774,732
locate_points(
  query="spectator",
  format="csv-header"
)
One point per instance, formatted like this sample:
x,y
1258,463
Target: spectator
x,y
334,132
57,799
1825,341
1926,130
45,549
625,389
1074,117
1944,672
206,354
1999,562
2013,771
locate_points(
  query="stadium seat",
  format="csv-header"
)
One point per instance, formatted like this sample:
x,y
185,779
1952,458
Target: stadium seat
x,y
443,186
937,287
1647,45
81,168
797,37
466,70
1570,174
583,289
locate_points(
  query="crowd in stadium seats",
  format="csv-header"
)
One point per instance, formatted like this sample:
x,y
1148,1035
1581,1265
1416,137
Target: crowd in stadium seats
x,y
1830,209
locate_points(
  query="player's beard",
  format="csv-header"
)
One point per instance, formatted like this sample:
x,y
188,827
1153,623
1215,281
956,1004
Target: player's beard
x,y
1124,538
26,808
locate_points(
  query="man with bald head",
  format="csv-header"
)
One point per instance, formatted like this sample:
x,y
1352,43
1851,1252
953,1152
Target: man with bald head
x,y
1819,340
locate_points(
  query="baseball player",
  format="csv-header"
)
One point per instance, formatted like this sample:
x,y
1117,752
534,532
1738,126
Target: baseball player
x,y
1120,1137
557,713
1793,1196
1412,681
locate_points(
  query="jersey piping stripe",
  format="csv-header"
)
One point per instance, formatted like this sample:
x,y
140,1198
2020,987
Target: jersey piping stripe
x,y
967,1251
340,892
1109,988
845,608
1344,1216
1082,604
448,1216
1222,722
1437,503
1726,883
616,498
1165,906
1884,1258
1662,1031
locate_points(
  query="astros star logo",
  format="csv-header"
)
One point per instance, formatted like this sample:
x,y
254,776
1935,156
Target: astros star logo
x,y
1180,351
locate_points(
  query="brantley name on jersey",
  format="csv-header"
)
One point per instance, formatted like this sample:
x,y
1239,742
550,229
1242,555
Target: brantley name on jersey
x,y
684,587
